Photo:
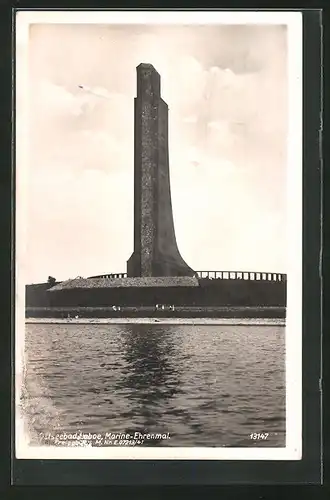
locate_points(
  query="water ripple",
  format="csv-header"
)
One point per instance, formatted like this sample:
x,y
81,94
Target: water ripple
x,y
207,385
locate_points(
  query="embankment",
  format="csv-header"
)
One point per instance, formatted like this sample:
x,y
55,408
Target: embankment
x,y
151,312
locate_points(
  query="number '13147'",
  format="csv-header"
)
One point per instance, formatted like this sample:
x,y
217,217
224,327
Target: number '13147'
x,y
256,436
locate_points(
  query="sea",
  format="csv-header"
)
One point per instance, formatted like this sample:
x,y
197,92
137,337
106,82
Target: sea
x,y
201,385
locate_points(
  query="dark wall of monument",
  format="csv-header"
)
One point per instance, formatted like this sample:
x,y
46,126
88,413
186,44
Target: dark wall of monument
x,y
209,293
37,295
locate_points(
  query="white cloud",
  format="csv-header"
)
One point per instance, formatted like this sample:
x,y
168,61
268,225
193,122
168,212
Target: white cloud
x,y
190,119
98,92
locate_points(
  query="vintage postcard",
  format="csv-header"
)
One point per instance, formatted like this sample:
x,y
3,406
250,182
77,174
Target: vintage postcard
x,y
158,235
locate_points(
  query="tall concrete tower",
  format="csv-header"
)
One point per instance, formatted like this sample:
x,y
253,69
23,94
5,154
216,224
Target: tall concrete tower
x,y
155,248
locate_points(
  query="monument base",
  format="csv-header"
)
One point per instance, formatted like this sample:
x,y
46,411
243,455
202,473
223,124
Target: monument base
x,y
161,267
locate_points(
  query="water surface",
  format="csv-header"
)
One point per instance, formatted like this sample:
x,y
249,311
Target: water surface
x,y
206,385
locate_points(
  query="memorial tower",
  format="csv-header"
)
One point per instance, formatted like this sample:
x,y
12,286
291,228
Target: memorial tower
x,y
155,248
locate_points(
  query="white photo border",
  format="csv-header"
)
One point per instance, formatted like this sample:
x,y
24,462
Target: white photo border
x,y
293,21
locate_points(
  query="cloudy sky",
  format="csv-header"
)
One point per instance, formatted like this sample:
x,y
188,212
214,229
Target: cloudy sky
x,y
226,88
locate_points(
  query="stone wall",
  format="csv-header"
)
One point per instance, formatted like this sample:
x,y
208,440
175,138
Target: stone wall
x,y
228,293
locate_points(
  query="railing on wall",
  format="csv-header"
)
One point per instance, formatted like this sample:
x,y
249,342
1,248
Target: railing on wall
x,y
111,275
219,275
241,275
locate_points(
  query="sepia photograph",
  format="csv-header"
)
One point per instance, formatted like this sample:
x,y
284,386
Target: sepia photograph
x,y
158,293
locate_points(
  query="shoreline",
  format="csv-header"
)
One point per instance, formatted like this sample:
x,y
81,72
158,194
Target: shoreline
x,y
164,321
